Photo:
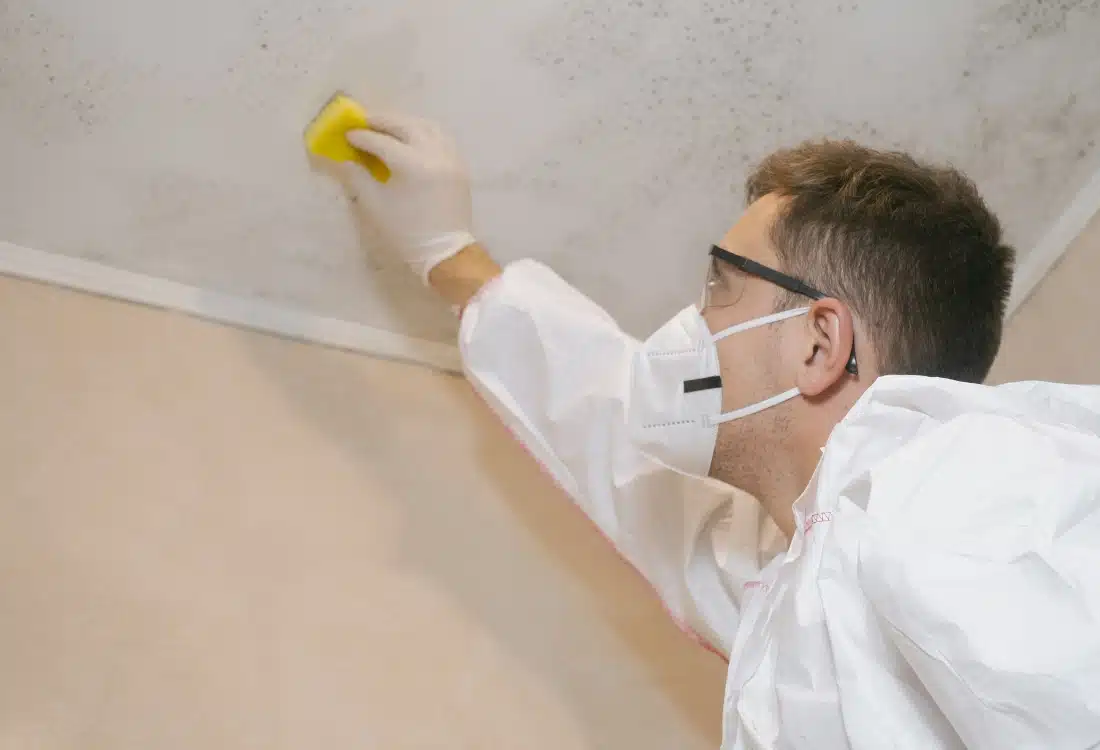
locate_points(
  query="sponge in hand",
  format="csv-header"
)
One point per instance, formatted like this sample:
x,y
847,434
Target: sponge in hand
x,y
325,135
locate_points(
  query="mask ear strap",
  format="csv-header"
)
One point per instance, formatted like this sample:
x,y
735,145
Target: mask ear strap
x,y
768,403
758,322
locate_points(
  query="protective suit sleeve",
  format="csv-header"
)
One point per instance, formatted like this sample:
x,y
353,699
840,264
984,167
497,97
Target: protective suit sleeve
x,y
555,368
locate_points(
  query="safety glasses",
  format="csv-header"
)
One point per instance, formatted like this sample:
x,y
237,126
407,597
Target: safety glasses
x,y
726,289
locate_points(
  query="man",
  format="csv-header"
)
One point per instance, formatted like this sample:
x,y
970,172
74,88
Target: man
x,y
918,565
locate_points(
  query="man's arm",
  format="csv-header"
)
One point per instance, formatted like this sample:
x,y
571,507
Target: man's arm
x,y
459,278
556,369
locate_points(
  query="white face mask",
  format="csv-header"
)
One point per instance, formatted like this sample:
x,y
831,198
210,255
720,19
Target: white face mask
x,y
676,391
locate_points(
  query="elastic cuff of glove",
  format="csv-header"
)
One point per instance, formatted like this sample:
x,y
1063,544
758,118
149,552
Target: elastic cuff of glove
x,y
440,249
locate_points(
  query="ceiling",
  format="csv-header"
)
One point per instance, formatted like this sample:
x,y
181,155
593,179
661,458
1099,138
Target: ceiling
x,y
609,140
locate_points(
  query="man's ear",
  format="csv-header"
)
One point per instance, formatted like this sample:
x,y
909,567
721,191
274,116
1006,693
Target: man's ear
x,y
828,346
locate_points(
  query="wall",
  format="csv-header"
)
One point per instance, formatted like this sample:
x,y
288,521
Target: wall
x,y
1053,336
610,140
216,539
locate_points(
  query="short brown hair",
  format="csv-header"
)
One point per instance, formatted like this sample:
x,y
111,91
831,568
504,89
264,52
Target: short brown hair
x,y
912,248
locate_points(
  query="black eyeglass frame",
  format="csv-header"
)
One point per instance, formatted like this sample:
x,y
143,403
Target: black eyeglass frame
x,y
781,280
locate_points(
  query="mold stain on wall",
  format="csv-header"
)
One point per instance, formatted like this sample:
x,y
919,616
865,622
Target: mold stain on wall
x,y
608,140
698,93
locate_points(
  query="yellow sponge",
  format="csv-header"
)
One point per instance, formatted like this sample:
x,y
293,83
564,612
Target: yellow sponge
x,y
325,135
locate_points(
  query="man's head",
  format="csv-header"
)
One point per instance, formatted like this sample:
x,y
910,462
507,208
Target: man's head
x,y
916,279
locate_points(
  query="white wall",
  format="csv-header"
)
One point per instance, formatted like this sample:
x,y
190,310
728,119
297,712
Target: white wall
x,y
608,139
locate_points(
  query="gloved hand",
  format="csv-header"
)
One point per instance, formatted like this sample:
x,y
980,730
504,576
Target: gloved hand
x,y
424,211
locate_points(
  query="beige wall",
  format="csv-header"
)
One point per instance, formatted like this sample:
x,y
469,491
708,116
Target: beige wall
x,y
1056,333
216,539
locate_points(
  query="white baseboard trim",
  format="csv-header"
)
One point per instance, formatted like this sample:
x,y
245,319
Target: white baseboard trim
x,y
254,314
1053,245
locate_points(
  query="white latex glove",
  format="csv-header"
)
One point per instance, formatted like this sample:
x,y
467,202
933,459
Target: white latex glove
x,y
424,211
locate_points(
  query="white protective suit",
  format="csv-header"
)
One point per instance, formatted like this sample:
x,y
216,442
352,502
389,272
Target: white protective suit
x,y
942,589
